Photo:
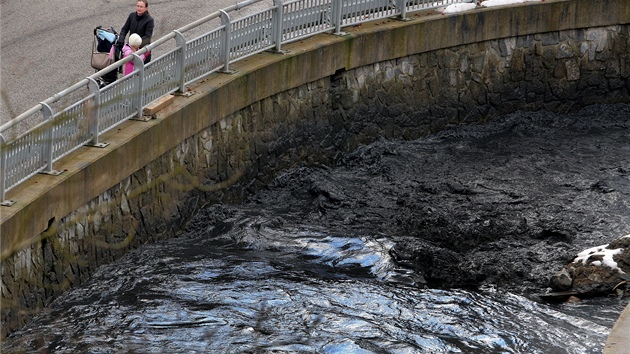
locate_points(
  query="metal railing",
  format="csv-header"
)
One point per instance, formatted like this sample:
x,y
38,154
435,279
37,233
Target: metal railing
x,y
100,109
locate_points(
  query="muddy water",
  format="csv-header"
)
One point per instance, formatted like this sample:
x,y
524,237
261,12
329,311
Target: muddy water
x,y
438,245
306,292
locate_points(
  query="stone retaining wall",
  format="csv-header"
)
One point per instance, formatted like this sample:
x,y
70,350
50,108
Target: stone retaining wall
x,y
313,123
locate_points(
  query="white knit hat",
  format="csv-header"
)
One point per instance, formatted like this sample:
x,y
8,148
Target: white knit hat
x,y
135,40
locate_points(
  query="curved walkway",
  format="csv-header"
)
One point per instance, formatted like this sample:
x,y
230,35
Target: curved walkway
x,y
46,46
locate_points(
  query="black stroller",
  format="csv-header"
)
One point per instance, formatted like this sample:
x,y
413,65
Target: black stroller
x,y
105,52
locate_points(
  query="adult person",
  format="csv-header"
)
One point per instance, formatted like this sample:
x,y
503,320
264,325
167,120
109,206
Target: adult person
x,y
139,22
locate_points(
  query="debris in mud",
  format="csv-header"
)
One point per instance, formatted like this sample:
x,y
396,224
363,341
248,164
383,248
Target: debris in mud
x,y
598,270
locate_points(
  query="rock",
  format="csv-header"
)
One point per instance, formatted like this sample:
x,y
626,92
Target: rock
x,y
595,271
561,281
573,299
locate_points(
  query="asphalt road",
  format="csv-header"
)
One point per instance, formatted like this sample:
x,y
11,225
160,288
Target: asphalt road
x,y
46,45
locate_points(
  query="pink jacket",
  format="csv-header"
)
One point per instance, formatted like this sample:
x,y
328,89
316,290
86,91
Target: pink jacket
x,y
128,67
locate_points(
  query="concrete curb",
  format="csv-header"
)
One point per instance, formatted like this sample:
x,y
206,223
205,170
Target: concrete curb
x,y
618,341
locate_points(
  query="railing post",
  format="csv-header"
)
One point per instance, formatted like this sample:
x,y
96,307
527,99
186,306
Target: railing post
x,y
180,66
138,63
94,114
278,19
337,16
225,55
402,7
3,172
47,145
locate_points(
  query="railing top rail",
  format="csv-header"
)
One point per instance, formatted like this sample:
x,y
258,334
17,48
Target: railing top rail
x,y
61,94
216,14
159,42
17,120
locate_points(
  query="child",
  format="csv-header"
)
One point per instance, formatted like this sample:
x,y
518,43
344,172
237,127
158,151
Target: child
x,y
134,44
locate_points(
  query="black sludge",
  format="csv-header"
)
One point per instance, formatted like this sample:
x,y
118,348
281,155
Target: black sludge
x,y
438,245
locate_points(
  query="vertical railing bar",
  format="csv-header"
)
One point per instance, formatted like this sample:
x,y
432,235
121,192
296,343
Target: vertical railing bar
x,y
3,171
180,67
364,11
138,64
402,7
337,16
225,55
47,146
94,114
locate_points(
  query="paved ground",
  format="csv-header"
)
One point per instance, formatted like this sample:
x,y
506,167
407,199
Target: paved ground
x,y
46,45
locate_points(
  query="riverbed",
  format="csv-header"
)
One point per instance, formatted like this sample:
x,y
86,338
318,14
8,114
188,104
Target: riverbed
x,y
437,245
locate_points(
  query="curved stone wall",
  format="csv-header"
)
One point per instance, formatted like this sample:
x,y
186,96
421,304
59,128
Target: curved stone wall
x,y
328,95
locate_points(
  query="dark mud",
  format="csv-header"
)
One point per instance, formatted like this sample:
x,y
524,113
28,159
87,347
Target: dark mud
x,y
505,204
305,265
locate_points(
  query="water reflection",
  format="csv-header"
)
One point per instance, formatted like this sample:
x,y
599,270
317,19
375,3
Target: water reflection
x,y
302,291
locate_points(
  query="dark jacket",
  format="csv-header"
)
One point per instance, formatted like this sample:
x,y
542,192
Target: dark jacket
x,y
142,25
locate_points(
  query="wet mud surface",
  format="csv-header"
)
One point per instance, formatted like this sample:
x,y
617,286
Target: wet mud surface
x,y
336,258
503,205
